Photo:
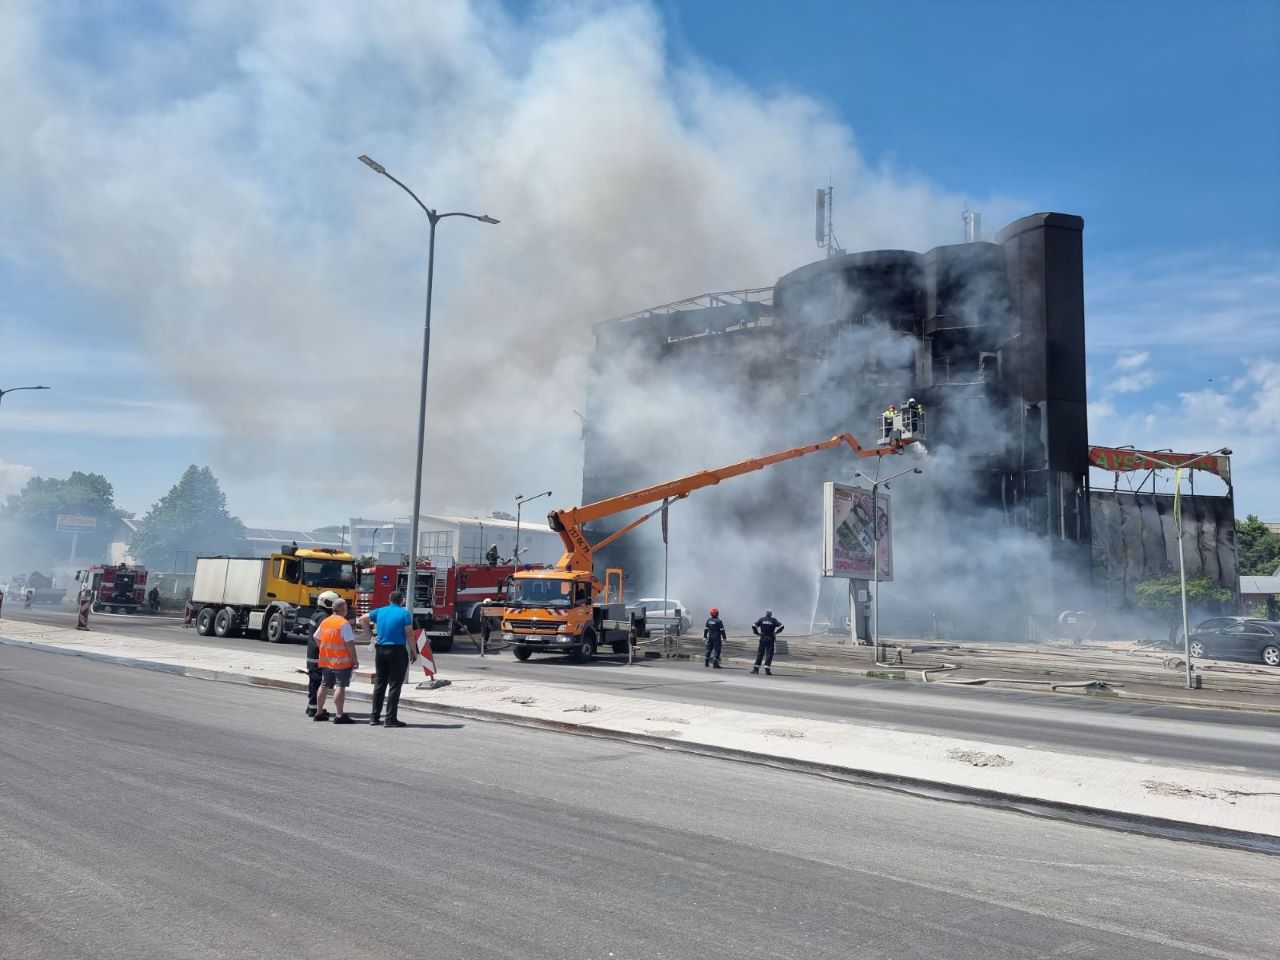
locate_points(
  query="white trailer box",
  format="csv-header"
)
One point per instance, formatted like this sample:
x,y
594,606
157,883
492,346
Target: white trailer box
x,y
231,581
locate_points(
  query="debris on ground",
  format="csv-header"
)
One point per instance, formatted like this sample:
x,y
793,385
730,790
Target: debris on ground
x,y
976,758
1165,789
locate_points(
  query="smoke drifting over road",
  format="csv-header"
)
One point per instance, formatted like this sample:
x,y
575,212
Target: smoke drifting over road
x,y
203,189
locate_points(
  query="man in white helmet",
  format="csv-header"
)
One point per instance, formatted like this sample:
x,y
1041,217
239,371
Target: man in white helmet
x,y
325,603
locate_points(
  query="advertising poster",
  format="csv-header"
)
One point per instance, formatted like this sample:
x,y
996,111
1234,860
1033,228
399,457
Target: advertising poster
x,y
848,533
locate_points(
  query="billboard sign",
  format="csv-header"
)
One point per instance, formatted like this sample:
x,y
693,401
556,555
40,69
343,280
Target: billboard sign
x,y
848,533
72,523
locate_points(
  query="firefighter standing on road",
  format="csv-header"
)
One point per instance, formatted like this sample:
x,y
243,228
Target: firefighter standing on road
x,y
27,596
713,634
767,629
325,604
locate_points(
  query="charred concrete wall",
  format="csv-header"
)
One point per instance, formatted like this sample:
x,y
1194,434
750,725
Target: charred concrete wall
x,y
1135,539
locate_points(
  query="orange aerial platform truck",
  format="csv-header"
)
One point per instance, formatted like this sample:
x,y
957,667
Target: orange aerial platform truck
x,y
564,609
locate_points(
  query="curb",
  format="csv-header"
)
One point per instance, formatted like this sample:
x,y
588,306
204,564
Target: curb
x,y
1047,809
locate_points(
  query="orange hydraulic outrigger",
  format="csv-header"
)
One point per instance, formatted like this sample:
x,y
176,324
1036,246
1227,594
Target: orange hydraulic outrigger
x,y
578,555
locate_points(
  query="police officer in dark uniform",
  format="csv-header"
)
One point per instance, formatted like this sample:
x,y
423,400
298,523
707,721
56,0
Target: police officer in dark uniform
x,y
713,634
767,629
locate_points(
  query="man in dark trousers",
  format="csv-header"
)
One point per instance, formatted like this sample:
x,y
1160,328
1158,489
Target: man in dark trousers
x,y
324,604
767,629
393,651
713,634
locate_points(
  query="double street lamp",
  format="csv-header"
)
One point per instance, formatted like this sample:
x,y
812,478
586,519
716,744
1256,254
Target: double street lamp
x,y
434,216
16,389
520,502
875,551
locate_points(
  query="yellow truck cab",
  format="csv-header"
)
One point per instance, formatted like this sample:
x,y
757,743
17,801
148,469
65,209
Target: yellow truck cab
x,y
565,611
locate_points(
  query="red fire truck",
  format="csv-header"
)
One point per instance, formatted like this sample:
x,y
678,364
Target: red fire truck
x,y
121,588
449,597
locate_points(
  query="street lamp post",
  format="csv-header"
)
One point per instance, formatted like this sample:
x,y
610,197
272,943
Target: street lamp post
x,y
1182,564
16,389
875,552
521,500
434,216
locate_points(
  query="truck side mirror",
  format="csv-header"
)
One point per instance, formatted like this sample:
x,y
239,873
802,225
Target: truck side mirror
x,y
78,572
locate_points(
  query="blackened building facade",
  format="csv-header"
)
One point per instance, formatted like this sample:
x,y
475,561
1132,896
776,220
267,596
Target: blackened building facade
x,y
989,336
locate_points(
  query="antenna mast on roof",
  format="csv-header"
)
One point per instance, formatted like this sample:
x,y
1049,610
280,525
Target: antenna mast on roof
x,y
823,231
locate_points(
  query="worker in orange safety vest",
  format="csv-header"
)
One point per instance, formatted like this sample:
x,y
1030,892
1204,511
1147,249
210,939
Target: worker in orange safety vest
x,y
336,648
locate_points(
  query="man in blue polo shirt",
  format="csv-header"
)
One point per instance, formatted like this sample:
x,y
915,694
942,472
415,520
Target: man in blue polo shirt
x,y
392,653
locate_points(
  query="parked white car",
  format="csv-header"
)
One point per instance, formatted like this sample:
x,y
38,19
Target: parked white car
x,y
659,614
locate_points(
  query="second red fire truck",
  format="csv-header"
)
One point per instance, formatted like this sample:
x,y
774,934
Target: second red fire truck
x,y
119,588
449,597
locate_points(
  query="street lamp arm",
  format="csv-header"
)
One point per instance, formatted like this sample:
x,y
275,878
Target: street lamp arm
x,y
425,209
482,217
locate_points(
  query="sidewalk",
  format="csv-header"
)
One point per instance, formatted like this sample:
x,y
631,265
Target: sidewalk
x,y
1134,795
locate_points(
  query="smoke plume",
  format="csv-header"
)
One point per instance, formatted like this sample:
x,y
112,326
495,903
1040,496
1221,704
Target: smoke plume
x,y
201,184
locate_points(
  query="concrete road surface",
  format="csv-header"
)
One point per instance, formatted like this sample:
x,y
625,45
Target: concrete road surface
x,y
150,816
1226,739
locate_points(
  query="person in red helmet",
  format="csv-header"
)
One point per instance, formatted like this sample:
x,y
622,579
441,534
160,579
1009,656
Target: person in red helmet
x,y
713,634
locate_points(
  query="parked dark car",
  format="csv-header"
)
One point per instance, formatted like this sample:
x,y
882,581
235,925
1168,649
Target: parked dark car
x,y
1242,637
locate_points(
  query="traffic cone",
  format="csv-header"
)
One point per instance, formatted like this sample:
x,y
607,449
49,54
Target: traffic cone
x,y
428,664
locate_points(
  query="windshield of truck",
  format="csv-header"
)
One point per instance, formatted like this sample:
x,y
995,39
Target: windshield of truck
x,y
542,593
366,581
329,573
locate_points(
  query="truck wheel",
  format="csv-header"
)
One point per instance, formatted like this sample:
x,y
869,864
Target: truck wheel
x,y
587,649
204,622
441,644
620,646
273,627
224,623
523,653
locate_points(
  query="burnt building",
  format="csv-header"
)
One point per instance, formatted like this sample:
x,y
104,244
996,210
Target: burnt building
x,y
989,336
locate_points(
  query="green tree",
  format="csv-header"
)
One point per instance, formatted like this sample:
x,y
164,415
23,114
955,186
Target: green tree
x,y
30,516
1163,596
192,517
1257,547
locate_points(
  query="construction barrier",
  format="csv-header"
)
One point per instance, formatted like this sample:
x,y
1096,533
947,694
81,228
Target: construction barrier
x,y
86,601
188,613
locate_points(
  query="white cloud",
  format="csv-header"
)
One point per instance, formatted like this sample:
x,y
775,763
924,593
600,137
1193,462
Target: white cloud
x,y
1129,361
1134,382
14,476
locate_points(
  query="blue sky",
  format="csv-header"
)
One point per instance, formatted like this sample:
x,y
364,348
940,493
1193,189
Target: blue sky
x,y
196,264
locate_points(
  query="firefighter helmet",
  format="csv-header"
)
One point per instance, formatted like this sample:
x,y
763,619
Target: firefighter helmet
x,y
715,611
328,599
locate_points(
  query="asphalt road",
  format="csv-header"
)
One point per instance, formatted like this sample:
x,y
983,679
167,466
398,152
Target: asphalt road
x,y
150,816
1222,739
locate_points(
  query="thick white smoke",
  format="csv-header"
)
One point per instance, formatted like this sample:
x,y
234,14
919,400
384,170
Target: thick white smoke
x,y
196,175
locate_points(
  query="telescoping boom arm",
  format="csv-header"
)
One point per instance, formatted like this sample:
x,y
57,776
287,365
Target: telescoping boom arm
x,y
569,523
